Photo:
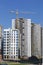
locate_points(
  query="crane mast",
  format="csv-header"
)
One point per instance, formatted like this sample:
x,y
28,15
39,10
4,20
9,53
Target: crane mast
x,y
17,13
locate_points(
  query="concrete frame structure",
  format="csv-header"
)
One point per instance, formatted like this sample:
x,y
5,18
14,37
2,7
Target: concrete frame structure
x,y
25,30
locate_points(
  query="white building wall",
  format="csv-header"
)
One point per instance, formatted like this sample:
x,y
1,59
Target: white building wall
x,y
27,33
13,24
6,43
13,37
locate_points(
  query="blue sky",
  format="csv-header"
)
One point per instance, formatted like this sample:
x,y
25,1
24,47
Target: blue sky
x,y
22,5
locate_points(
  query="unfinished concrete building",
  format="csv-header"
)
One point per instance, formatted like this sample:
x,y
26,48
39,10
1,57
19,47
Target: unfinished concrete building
x,y
30,38
24,25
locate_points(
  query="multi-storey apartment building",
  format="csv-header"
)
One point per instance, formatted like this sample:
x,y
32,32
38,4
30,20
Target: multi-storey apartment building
x,y
36,40
0,42
42,42
30,38
28,41
11,44
24,25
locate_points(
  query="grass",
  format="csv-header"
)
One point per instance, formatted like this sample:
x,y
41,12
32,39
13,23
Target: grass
x,y
13,63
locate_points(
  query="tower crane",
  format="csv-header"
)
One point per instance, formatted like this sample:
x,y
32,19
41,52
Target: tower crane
x,y
22,12
17,13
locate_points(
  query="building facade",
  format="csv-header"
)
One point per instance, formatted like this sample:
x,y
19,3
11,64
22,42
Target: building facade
x,y
36,40
31,39
13,24
42,42
11,44
24,25
23,40
0,42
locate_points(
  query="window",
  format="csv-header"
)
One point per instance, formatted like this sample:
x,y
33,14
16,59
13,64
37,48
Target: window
x,y
23,24
14,40
22,27
7,53
7,50
16,48
22,33
16,31
4,31
4,42
23,30
16,52
16,36
11,53
4,56
7,56
7,44
7,41
7,34
7,47
4,52
4,36
7,31
14,56
16,44
22,39
11,56
4,47
11,47
17,39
